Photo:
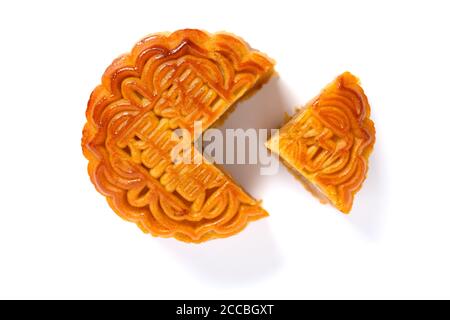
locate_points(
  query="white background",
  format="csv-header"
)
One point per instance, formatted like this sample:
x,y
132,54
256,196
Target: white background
x,y
59,239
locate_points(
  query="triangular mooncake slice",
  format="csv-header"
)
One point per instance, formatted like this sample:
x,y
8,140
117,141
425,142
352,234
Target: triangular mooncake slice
x,y
328,142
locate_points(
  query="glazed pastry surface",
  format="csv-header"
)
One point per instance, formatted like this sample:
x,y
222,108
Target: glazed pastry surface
x,y
329,141
168,82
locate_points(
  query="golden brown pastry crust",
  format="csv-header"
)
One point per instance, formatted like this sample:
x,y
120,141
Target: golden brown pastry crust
x,y
168,81
329,141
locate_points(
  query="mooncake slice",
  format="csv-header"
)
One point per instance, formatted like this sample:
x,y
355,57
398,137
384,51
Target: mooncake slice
x,y
169,82
328,143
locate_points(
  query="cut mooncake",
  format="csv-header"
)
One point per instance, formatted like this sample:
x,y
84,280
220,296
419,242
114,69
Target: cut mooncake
x,y
167,82
328,142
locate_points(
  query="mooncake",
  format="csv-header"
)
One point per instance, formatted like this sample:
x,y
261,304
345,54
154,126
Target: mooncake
x,y
168,82
328,142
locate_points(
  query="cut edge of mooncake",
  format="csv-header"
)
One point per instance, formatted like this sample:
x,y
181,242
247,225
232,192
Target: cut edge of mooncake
x,y
327,143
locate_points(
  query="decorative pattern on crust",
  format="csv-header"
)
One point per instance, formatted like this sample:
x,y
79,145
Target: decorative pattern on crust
x,y
168,81
330,140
